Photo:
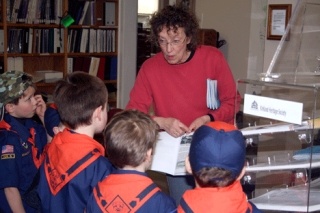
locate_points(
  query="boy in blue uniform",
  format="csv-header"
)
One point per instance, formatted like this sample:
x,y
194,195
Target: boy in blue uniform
x,y
22,141
216,160
75,162
130,139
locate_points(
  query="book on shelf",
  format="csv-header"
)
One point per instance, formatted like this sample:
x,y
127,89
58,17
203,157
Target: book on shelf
x,y
77,63
110,13
69,65
84,12
48,75
86,61
34,11
23,9
15,10
84,40
15,63
101,68
92,40
90,15
94,66
170,154
113,68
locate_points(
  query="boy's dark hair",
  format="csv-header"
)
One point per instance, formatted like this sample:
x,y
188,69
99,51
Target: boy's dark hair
x,y
173,17
214,177
77,96
128,137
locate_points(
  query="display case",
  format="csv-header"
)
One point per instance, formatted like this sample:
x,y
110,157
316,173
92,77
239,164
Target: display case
x,y
281,120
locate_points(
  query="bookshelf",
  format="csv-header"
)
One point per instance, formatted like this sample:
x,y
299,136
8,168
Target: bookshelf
x,y
33,38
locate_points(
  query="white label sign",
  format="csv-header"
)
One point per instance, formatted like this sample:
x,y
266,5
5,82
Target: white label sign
x,y
287,111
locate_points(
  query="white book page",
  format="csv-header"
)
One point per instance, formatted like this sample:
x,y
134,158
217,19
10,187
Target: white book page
x,y
170,153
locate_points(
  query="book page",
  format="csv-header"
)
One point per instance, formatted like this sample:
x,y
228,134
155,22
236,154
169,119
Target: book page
x,y
170,153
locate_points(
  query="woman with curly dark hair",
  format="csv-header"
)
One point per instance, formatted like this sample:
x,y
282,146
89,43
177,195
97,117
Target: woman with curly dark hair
x,y
174,81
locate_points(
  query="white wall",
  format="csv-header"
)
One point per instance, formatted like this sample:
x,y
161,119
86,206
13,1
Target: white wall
x,y
271,45
127,43
232,19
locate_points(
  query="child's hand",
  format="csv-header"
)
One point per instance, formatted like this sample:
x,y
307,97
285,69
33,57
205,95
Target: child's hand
x,y
41,106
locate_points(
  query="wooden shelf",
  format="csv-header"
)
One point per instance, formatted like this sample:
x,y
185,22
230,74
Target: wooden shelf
x,y
41,58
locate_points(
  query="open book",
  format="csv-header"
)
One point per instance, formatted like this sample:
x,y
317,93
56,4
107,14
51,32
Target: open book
x,y
170,154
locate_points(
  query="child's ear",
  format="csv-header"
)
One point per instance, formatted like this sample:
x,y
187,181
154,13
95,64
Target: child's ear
x,y
97,112
149,152
188,166
148,158
9,108
243,171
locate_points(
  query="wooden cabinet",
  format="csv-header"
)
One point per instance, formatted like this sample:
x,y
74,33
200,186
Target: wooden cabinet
x,y
33,38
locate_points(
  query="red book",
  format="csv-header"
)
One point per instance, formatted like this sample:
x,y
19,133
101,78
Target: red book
x,y
101,68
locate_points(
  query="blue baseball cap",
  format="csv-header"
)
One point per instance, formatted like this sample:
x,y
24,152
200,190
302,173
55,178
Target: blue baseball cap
x,y
218,144
51,119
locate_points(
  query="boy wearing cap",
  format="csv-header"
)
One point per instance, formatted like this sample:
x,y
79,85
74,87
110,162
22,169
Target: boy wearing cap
x,y
216,160
22,141
75,162
130,139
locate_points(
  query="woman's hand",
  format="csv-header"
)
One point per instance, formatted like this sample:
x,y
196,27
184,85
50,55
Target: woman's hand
x,y
199,122
172,126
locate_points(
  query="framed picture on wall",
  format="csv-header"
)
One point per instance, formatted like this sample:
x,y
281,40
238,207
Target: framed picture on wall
x,y
187,3
278,18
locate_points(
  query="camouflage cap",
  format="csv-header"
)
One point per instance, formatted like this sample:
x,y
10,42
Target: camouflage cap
x,y
12,85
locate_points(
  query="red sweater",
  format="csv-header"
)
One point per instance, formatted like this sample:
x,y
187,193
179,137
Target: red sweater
x,y
180,91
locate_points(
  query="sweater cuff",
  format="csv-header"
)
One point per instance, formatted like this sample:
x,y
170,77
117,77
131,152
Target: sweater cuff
x,y
211,117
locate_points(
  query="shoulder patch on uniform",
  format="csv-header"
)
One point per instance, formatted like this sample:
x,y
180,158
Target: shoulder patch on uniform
x,y
7,149
118,205
8,156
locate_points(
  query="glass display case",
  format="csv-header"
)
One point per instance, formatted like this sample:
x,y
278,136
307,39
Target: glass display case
x,y
281,120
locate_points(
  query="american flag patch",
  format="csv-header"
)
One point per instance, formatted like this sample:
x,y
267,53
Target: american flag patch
x,y
7,149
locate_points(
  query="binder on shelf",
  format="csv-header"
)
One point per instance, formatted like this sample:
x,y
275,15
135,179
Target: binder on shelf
x,y
84,40
90,15
109,13
113,68
84,12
